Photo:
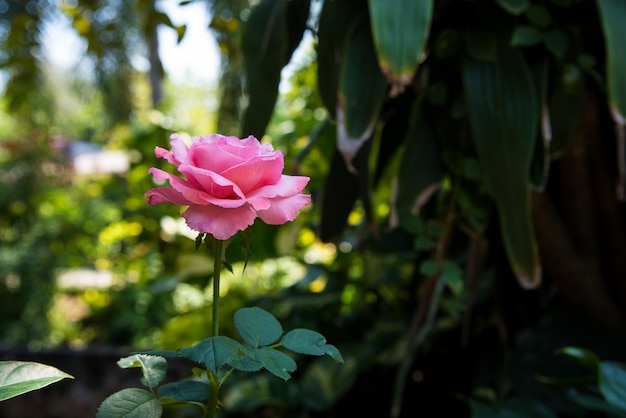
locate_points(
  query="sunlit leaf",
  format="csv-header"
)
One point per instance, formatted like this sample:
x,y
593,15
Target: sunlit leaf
x,y
19,377
504,114
584,356
400,29
153,368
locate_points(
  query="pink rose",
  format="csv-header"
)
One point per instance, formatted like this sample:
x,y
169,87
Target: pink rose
x,y
227,183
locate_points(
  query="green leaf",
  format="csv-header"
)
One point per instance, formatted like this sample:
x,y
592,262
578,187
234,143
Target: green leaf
x,y
400,29
276,362
538,15
556,41
421,168
212,352
153,368
185,391
504,114
362,89
19,377
245,360
586,358
526,35
429,268
515,7
613,16
481,45
337,21
264,48
612,382
305,341
257,326
130,403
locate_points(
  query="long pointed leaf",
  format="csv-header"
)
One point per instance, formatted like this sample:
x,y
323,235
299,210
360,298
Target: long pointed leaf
x,y
504,114
361,93
337,21
272,32
400,29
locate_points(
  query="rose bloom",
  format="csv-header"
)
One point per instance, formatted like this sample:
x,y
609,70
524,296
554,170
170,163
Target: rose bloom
x,y
228,182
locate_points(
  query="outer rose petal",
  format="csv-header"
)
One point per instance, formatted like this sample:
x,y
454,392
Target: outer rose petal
x,y
256,172
284,209
166,195
212,183
192,194
219,222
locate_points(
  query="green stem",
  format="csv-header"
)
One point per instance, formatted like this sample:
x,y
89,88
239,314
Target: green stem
x,y
214,385
214,388
217,269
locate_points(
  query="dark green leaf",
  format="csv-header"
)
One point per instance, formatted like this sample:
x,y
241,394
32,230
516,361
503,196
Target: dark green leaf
x,y
276,362
130,403
185,391
257,326
481,45
526,35
337,21
400,29
362,90
504,114
613,16
304,341
264,48
212,352
556,42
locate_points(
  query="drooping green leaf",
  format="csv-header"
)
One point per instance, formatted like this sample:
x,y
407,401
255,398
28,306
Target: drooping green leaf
x,y
19,377
504,113
612,382
481,45
613,16
276,362
153,368
362,89
305,341
325,382
337,21
212,352
130,403
270,35
257,326
260,390
421,168
185,391
400,29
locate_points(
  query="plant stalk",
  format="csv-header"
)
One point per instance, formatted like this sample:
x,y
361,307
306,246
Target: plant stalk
x,y
217,269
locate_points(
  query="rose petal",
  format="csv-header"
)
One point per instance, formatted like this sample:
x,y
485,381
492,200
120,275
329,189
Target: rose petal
x,y
187,190
285,187
256,172
166,195
210,156
219,222
212,183
284,209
